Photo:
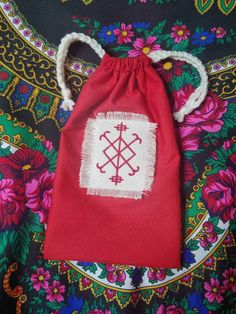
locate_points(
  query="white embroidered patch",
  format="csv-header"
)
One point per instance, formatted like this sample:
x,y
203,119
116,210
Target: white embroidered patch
x,y
118,155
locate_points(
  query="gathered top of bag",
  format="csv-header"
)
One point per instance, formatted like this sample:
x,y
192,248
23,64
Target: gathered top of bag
x,y
127,64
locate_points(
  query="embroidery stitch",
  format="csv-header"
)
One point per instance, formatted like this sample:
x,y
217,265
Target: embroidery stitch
x,y
116,160
118,156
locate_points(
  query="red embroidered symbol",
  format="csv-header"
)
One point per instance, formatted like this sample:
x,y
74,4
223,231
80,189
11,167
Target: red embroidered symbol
x,y
119,153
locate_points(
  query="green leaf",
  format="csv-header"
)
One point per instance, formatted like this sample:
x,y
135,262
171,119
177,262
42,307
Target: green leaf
x,y
4,240
199,29
20,246
3,264
103,266
177,22
157,29
179,81
182,46
92,268
214,220
169,272
103,274
96,24
193,245
197,51
184,303
32,223
213,306
218,230
232,225
121,48
169,42
55,305
4,151
190,154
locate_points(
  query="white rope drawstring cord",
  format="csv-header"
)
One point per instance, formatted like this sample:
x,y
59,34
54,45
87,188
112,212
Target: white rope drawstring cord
x,y
68,103
200,92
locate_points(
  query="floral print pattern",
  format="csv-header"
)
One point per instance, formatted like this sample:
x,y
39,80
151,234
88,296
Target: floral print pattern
x,y
208,153
143,37
142,46
219,194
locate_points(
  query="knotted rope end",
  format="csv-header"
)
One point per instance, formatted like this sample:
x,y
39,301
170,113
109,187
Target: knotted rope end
x,y
67,104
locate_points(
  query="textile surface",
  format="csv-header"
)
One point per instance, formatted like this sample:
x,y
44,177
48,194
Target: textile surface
x,y
30,124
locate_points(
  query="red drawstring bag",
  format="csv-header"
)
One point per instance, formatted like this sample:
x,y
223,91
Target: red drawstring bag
x,y
116,193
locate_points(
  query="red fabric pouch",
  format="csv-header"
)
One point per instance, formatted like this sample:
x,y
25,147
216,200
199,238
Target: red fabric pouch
x,y
116,193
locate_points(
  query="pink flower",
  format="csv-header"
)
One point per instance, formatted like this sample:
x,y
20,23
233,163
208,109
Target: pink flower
x,y
219,194
144,46
180,32
51,52
12,203
208,235
208,116
230,279
55,291
115,273
39,193
40,279
213,291
124,34
171,309
220,32
181,96
189,138
38,43
48,145
26,33
156,274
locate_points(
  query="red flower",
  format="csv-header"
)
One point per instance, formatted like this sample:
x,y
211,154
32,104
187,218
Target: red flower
x,y
189,138
181,96
180,32
219,194
24,89
124,34
208,116
230,279
210,262
110,293
39,194
12,203
45,99
23,164
4,75
169,68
